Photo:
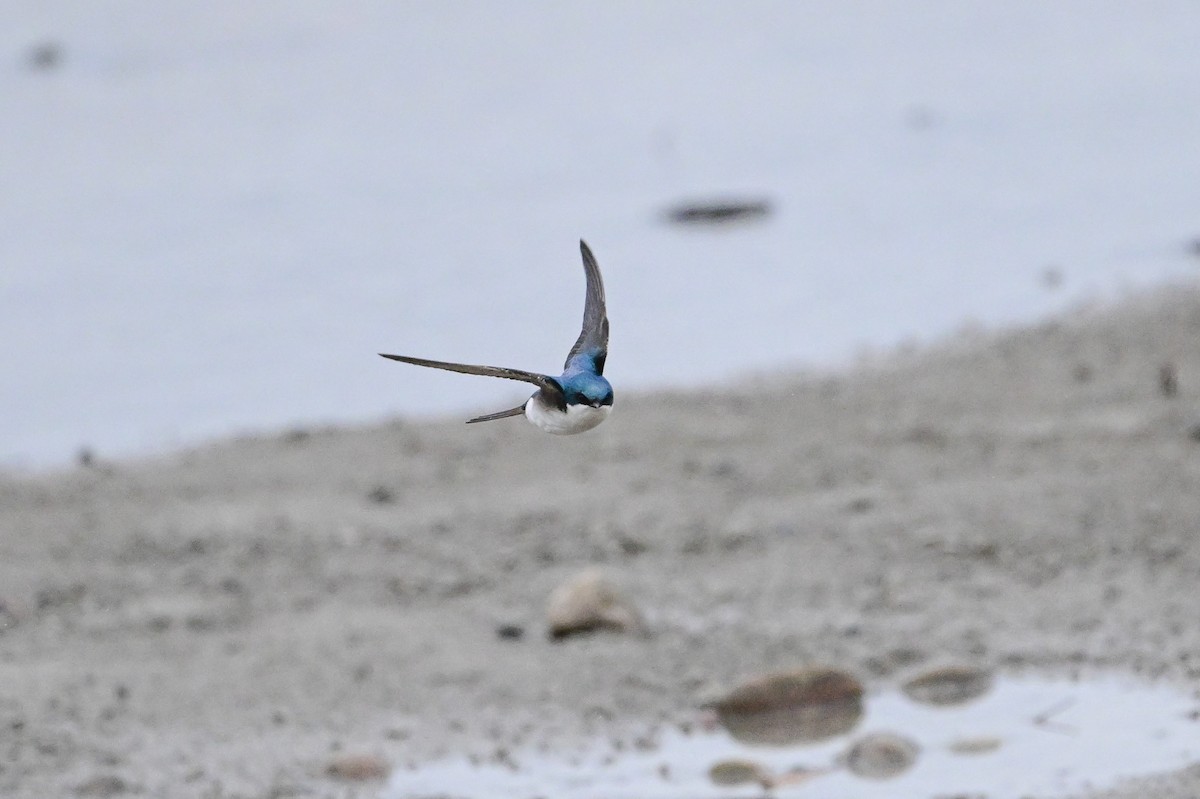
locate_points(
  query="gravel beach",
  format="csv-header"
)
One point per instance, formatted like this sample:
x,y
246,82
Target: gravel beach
x,y
235,620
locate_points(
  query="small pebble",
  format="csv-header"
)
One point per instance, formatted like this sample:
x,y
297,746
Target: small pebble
x,y
718,211
785,708
732,772
357,768
1168,381
1052,277
974,746
381,495
45,56
510,632
881,756
949,685
102,785
587,602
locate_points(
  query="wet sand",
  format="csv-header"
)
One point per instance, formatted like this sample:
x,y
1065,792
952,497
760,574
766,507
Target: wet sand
x,y
228,621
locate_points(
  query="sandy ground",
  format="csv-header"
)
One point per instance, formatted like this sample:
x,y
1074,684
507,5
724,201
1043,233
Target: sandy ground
x,y
225,621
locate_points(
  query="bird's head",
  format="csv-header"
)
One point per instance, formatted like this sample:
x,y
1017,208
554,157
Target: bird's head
x,y
589,390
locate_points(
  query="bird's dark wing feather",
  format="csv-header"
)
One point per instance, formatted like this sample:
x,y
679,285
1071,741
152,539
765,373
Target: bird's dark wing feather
x,y
517,411
541,381
593,339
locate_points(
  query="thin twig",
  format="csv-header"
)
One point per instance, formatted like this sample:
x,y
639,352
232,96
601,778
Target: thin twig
x,y
1045,718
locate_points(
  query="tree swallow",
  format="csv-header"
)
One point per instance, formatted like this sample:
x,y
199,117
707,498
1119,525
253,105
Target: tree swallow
x,y
578,399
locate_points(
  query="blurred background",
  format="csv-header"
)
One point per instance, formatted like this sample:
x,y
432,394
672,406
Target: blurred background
x,y
213,215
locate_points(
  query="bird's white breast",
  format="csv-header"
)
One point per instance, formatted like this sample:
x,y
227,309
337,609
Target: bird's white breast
x,y
576,419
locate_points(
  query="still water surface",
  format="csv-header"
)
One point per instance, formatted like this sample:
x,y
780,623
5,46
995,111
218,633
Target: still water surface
x,y
1026,737
214,218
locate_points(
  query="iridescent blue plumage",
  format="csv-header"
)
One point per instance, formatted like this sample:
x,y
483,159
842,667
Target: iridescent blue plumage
x,y
578,399
585,387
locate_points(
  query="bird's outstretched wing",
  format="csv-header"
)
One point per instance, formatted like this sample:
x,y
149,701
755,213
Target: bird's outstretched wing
x,y
517,411
593,339
541,381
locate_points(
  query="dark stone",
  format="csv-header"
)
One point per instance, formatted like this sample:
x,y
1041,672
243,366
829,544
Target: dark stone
x,y
381,495
1168,381
717,212
296,436
45,56
104,785
510,632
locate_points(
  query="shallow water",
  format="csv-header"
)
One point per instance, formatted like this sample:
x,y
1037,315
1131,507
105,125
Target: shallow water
x,y
213,221
1024,737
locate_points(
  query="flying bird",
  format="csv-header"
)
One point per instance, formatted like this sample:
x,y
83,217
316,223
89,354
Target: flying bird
x,y
578,399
